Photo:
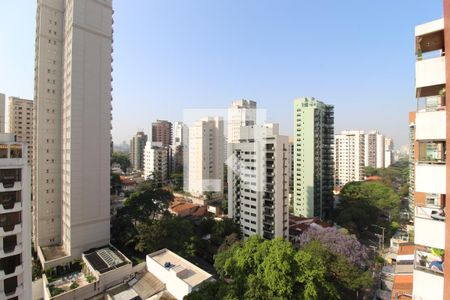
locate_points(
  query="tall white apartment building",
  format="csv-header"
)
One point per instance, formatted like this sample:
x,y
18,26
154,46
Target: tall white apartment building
x,y
156,164
20,122
374,149
430,164
137,145
348,157
240,113
179,141
15,220
2,113
206,159
72,128
258,187
388,152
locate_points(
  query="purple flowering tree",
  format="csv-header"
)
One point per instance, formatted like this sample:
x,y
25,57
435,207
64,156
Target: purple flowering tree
x,y
338,243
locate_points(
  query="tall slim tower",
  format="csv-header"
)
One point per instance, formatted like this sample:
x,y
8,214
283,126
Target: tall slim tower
x,y
429,165
206,160
20,122
137,145
348,157
374,149
2,113
240,113
258,189
313,157
15,219
72,128
162,132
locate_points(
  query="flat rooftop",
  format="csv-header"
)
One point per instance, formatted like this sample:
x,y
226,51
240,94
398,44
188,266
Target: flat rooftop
x,y
105,259
188,272
53,252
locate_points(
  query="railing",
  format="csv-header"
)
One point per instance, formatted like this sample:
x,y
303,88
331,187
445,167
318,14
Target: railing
x,y
9,176
428,261
432,213
430,54
430,104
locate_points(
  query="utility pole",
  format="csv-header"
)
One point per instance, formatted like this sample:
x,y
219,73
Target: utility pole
x,y
382,234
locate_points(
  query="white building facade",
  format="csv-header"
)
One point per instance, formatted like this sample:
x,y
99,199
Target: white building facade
x,y
348,157
72,137
240,113
15,220
206,159
374,149
258,183
156,163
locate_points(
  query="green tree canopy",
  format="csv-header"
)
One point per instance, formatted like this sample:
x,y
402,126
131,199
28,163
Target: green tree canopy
x,y
262,269
122,158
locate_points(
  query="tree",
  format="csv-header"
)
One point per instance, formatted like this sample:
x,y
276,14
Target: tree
x,y
177,181
370,171
122,159
261,269
174,233
338,243
365,203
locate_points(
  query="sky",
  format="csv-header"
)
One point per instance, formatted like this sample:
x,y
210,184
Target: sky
x,y
171,55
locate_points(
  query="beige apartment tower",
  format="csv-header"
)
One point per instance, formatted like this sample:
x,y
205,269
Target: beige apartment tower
x,y
20,122
72,128
205,157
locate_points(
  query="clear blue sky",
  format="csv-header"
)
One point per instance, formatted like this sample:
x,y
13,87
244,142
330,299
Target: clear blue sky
x,y
170,55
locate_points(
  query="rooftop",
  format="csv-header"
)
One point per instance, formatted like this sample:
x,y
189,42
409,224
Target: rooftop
x,y
105,259
53,252
188,272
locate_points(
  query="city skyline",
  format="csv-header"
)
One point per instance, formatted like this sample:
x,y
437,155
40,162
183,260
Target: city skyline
x,y
219,52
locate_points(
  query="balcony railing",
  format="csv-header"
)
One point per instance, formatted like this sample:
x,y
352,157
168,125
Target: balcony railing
x,y
431,103
10,285
429,260
8,199
8,264
432,213
9,176
10,220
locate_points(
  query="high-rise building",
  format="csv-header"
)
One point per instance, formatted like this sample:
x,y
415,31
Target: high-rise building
x,y
348,157
206,160
313,157
137,145
258,190
388,152
15,220
374,150
179,141
162,132
240,113
155,162
430,138
72,136
20,122
2,113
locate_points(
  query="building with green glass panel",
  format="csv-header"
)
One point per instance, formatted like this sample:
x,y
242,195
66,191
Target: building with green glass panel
x,y
313,158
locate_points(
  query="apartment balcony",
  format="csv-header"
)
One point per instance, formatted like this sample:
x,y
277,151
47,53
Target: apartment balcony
x,y
10,266
430,178
431,125
4,231
11,288
430,72
431,103
13,293
429,227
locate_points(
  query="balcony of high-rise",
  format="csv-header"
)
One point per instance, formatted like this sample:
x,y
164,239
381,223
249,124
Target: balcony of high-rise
x,y
10,178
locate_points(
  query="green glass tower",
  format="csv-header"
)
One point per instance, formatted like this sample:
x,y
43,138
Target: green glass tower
x,y
313,158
